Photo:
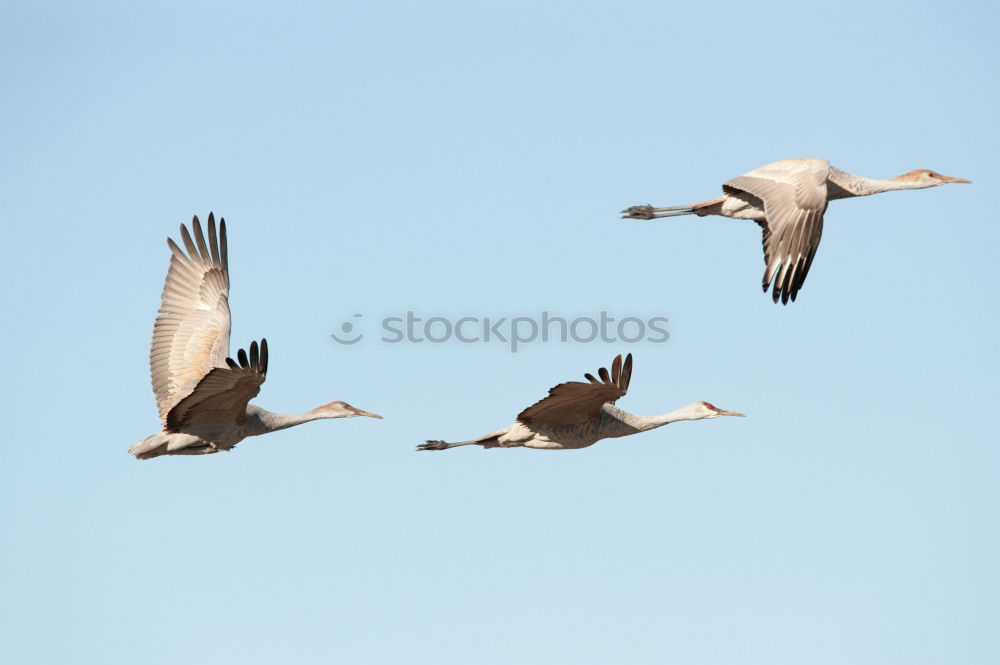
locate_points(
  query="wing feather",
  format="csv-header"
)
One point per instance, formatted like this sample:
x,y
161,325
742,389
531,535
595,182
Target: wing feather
x,y
191,333
574,402
219,400
794,192
200,239
626,377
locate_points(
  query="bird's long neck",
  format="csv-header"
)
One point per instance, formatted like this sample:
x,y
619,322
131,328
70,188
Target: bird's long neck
x,y
856,185
646,423
263,421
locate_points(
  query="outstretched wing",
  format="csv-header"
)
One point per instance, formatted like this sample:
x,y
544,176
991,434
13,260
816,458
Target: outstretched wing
x,y
574,402
795,198
219,401
191,334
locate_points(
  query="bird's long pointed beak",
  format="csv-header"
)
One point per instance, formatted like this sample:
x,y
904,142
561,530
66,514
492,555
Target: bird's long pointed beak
x,y
948,178
723,412
366,413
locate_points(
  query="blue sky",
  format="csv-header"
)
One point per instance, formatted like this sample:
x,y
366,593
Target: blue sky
x,y
467,159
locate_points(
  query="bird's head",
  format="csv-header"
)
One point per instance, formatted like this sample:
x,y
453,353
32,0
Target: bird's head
x,y
708,410
924,178
341,410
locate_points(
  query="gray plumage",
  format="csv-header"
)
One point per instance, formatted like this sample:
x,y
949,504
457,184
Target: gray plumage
x,y
788,199
577,415
202,394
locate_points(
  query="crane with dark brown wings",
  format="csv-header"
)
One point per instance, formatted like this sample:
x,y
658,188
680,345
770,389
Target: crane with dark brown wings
x,y
203,395
577,414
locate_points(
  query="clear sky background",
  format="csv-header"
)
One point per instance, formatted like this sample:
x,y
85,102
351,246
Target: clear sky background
x,y
470,159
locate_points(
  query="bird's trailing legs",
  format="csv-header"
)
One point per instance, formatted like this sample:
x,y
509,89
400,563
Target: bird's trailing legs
x,y
649,212
488,441
435,444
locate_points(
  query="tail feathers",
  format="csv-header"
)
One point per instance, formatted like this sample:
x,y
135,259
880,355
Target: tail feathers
x,y
150,447
170,443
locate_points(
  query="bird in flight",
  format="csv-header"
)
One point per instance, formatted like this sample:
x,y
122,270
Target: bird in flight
x,y
788,199
203,395
577,415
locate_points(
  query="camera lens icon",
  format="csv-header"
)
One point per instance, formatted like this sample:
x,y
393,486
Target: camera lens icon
x,y
347,327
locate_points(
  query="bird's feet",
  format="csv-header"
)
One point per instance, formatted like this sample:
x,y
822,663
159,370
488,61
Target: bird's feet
x,y
639,212
433,445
